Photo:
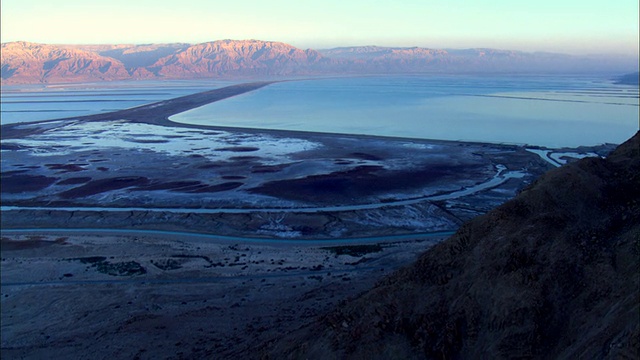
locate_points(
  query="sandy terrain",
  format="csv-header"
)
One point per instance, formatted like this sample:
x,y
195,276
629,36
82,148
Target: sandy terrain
x,y
68,295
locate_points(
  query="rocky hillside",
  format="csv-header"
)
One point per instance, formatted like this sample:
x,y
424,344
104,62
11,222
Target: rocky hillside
x,y
230,57
24,62
554,273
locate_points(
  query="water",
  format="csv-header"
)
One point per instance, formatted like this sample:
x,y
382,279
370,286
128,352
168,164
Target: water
x,y
28,103
546,111
549,111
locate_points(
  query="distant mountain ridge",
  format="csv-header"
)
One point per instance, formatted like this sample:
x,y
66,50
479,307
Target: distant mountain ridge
x,y
27,63
228,57
24,62
629,79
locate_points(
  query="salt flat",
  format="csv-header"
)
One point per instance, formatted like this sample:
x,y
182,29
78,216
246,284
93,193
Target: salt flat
x,y
77,173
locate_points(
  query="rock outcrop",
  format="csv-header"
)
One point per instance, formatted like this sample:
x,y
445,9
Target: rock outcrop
x,y
553,273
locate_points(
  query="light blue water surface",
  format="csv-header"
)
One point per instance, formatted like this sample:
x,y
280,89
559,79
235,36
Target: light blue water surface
x,y
548,111
554,111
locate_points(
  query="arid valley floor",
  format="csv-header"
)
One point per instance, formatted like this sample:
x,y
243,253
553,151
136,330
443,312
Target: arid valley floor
x,y
125,235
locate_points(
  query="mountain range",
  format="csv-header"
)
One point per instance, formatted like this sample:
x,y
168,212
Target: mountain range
x,y
29,63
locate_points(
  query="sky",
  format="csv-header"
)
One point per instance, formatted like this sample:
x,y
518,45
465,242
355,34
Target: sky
x,y
566,26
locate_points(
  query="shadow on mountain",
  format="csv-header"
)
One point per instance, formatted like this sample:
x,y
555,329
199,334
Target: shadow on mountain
x,y
552,273
629,79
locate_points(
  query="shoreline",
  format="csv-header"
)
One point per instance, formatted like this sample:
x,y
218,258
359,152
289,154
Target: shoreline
x,y
263,182
158,113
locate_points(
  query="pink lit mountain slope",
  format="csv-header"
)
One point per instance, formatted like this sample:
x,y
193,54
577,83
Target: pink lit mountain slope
x,y
25,63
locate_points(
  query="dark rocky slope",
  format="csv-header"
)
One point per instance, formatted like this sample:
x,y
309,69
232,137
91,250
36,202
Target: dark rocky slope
x,y
554,273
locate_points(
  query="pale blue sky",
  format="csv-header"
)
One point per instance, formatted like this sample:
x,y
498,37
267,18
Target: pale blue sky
x,y
569,26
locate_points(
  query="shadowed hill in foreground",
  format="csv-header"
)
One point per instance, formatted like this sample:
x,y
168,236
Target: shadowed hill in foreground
x,y
551,274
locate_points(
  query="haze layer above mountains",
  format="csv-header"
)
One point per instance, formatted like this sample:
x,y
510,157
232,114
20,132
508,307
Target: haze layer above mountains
x,y
30,63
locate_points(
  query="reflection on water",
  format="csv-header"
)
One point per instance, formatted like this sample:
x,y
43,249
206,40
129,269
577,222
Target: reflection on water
x,y
547,111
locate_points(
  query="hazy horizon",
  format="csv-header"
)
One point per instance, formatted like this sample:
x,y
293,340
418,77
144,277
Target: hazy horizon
x,y
569,26
322,48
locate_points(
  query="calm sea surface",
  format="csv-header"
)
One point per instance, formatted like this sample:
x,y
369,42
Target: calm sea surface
x,y
549,111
